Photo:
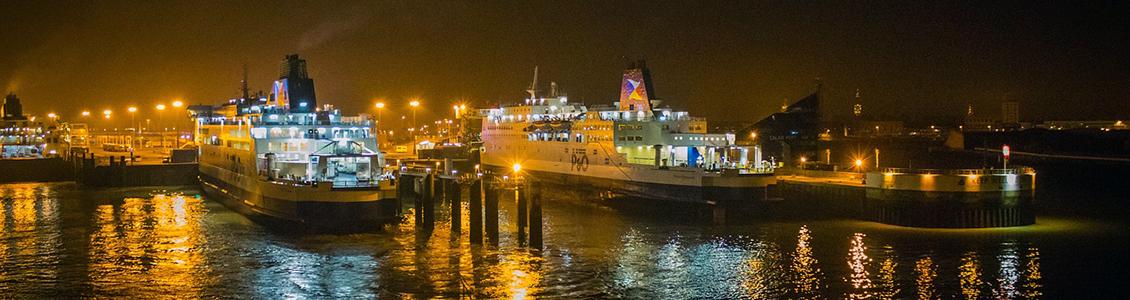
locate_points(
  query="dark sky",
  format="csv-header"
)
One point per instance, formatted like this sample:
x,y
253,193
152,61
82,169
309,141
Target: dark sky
x,y
726,61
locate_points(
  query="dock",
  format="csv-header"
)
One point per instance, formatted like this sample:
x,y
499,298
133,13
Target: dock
x,y
931,198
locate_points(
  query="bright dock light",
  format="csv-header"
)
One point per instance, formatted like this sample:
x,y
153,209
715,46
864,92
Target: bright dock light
x,y
517,168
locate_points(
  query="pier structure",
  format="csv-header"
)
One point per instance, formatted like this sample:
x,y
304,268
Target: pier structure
x,y
426,188
932,198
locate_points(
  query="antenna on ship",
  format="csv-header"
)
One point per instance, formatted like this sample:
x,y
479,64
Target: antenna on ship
x,y
533,89
243,84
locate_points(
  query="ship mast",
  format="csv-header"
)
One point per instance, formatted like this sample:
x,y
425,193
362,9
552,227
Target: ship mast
x,y
243,84
533,89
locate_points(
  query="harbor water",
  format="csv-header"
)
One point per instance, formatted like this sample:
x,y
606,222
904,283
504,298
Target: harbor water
x,y
57,240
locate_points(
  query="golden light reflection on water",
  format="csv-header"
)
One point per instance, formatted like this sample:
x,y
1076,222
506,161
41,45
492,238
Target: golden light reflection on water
x,y
153,247
1033,286
807,275
32,238
857,260
970,276
887,288
151,244
452,267
927,272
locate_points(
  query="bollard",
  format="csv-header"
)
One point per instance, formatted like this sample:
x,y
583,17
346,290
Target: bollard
x,y
535,217
491,213
719,214
456,195
475,203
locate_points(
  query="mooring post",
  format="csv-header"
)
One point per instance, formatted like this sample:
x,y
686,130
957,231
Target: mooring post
x,y
718,213
535,217
418,199
491,213
475,207
522,195
456,195
429,201
440,188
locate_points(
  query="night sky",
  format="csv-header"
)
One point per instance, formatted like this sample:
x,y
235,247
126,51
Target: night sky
x,y
725,61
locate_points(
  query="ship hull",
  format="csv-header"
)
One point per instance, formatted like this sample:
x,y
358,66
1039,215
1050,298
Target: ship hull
x,y
365,210
753,189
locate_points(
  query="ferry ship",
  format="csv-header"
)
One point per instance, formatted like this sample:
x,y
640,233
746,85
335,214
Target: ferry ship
x,y
632,147
279,157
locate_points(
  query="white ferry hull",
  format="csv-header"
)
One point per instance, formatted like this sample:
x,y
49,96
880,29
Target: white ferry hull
x,y
317,207
642,181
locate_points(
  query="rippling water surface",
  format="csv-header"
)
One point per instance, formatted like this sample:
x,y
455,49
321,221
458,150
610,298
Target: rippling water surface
x,y
57,240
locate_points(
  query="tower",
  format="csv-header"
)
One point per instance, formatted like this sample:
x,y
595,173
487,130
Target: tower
x,y
857,110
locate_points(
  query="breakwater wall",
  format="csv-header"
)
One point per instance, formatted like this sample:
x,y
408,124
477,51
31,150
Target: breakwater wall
x,y
988,198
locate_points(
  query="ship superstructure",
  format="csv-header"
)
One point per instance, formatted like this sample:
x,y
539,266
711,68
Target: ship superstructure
x,y
631,147
281,156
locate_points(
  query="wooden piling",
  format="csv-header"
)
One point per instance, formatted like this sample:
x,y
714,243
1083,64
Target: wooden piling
x,y
475,203
429,201
535,217
491,213
522,195
455,194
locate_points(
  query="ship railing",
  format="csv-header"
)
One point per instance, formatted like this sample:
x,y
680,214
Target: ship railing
x,y
1009,171
357,184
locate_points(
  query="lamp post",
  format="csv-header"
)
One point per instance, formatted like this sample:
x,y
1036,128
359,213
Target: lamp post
x,y
177,104
132,121
380,107
160,123
414,104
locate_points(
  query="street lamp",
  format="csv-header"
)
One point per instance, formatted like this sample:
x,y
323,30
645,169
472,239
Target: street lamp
x,y
86,113
160,108
380,108
132,113
414,104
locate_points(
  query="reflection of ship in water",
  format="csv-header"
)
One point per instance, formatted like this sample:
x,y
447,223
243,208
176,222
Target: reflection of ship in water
x,y
281,157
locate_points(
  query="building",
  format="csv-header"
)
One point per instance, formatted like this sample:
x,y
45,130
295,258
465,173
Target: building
x,y
1010,112
788,134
